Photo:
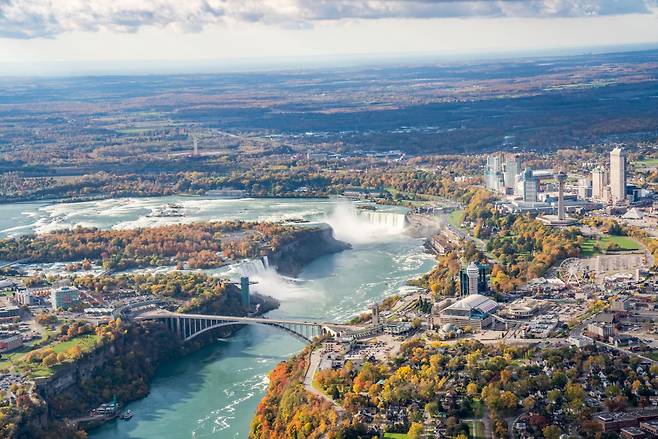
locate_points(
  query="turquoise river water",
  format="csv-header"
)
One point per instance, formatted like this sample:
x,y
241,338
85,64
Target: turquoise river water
x,y
213,393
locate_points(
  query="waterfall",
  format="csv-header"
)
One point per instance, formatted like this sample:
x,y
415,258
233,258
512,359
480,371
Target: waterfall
x,y
254,267
392,222
267,281
365,226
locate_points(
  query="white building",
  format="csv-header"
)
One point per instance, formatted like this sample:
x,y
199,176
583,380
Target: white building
x,y
511,168
473,273
585,187
599,184
473,310
493,173
618,175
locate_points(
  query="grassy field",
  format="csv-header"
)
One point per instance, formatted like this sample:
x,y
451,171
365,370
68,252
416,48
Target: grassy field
x,y
86,342
624,242
395,436
456,217
647,162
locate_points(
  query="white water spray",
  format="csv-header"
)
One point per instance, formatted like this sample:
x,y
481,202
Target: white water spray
x,y
268,281
364,226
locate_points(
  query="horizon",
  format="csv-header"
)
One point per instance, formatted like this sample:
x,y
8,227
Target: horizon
x,y
99,36
246,65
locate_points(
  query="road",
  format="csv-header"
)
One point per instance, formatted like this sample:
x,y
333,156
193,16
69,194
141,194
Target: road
x,y
314,362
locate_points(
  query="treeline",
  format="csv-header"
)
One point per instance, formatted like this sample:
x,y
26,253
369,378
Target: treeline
x,y
197,291
522,247
199,244
288,411
525,249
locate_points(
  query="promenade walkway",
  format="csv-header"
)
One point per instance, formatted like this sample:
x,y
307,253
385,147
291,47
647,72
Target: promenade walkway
x,y
314,363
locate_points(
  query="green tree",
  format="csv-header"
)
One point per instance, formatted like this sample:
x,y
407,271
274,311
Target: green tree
x,y
551,432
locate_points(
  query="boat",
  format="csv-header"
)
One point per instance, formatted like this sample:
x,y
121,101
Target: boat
x,y
168,212
126,415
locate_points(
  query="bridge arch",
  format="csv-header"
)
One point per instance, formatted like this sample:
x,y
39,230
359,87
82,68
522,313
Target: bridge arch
x,y
187,327
224,324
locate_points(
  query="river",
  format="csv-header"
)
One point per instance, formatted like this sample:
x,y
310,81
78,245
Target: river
x,y
214,393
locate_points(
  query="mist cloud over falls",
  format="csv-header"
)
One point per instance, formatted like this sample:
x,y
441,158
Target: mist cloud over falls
x,y
48,18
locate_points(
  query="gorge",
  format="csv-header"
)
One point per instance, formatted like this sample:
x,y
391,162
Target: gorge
x,y
213,392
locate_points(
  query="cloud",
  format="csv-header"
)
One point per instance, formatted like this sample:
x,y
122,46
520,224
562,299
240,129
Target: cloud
x,y
48,18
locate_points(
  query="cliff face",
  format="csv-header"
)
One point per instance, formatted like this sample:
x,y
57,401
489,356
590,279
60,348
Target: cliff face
x,y
124,366
309,245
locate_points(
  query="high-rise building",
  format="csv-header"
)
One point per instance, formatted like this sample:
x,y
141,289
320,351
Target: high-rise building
x,y
493,173
511,168
599,183
561,178
472,274
64,297
585,187
528,186
473,279
618,175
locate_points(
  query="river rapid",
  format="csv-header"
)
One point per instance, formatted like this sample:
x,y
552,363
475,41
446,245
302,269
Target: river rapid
x,y
214,392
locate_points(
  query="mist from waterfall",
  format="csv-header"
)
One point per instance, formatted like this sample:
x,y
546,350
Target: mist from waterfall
x,y
357,226
268,281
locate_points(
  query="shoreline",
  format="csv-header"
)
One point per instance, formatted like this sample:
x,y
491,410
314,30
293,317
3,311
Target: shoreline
x,y
175,194
271,305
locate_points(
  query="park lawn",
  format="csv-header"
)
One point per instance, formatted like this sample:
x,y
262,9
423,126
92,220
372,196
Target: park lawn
x,y
587,248
647,162
86,342
625,243
395,436
456,217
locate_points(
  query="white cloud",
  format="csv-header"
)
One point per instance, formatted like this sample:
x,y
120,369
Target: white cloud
x,y
48,18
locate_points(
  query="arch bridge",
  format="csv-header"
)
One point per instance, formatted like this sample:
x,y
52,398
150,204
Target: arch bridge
x,y
188,326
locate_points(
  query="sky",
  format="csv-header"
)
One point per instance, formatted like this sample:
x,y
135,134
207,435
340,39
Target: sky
x,y
77,36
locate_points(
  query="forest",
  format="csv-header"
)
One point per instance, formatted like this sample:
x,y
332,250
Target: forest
x,y
199,245
522,247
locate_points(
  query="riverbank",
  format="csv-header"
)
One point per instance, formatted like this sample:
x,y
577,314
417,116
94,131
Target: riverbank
x,y
120,366
214,392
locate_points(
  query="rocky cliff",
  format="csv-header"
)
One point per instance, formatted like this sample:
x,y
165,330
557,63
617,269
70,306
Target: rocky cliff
x,y
308,245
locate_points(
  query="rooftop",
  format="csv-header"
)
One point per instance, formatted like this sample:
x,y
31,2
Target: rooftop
x,y
473,302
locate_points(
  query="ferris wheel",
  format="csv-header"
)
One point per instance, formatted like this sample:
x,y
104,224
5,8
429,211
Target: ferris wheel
x,y
572,271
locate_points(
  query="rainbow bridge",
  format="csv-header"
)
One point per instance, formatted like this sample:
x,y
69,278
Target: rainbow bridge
x,y
188,326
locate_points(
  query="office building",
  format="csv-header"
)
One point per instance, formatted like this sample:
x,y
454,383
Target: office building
x,y
528,186
511,168
599,184
585,187
9,313
24,297
618,175
9,342
494,178
64,297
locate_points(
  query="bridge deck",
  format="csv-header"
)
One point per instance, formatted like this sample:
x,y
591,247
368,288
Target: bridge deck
x,y
165,314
